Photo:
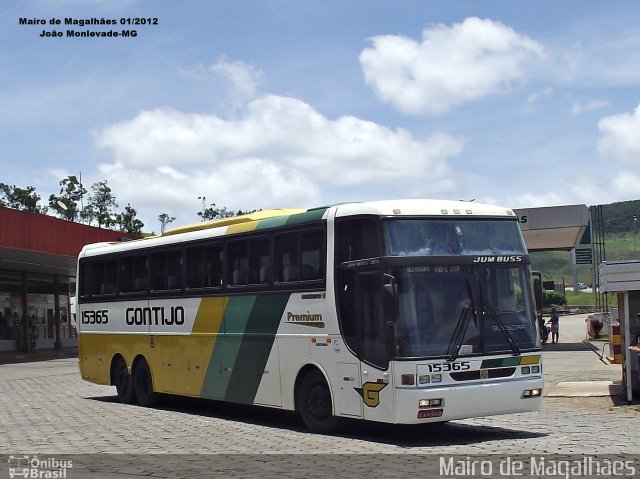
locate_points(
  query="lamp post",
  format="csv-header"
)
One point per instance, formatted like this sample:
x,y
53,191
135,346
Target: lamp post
x,y
204,205
635,233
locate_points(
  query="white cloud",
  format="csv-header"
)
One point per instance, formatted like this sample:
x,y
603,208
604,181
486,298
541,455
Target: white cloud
x,y
526,200
620,136
239,80
243,78
280,152
451,66
578,108
627,184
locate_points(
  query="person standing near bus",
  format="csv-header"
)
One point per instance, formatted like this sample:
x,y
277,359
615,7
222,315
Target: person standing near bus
x,y
555,326
635,342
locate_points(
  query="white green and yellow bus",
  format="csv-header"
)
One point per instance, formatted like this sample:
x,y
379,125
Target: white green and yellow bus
x,y
406,312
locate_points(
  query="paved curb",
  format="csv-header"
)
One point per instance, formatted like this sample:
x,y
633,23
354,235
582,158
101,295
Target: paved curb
x,y
44,355
585,389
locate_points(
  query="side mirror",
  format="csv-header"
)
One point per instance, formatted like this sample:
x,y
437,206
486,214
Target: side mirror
x,y
390,300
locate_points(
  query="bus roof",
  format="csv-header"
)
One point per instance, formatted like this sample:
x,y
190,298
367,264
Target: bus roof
x,y
258,220
422,207
267,219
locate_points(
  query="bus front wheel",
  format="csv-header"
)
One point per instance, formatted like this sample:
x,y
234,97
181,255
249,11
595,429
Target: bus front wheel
x,y
143,384
314,403
122,380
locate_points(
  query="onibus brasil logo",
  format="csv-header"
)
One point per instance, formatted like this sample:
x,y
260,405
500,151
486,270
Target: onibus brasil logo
x,y
40,468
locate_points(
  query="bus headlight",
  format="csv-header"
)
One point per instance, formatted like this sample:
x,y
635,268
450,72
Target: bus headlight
x,y
426,403
535,369
531,393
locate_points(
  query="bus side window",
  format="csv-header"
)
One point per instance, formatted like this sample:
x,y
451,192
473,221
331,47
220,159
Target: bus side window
x,y
110,277
356,238
195,267
166,270
287,258
248,261
140,271
311,257
126,275
204,266
213,266
85,280
238,267
300,256
133,274
259,260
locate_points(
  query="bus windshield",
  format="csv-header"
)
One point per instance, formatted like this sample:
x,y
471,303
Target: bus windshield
x,y
457,307
430,237
488,306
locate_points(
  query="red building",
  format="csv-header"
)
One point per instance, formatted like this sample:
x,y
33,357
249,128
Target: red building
x,y
38,255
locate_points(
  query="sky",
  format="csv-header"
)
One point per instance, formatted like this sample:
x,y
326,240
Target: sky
x,y
302,103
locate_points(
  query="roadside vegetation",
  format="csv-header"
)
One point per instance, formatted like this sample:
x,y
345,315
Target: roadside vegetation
x,y
96,206
622,242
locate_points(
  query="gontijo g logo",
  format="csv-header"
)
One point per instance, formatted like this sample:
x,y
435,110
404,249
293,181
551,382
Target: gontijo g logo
x,y
370,393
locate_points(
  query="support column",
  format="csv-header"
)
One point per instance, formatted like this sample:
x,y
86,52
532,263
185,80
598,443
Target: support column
x,y
57,345
24,345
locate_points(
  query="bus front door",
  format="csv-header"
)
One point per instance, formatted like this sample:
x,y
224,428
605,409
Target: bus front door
x,y
374,329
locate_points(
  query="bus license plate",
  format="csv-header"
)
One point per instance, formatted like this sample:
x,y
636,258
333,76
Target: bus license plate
x,y
426,413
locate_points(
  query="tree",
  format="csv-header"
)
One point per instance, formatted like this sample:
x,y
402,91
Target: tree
x,y
164,220
214,213
88,214
128,222
103,201
24,199
71,193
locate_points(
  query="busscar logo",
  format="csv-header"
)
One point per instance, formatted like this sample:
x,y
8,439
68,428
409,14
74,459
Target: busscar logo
x,y
306,319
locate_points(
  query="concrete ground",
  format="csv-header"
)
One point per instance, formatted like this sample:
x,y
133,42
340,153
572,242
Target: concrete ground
x,y
576,367
46,409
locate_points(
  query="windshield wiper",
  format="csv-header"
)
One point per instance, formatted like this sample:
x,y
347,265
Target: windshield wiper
x,y
458,334
492,313
461,328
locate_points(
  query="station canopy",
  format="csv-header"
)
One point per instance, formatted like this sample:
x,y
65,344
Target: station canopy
x,y
554,228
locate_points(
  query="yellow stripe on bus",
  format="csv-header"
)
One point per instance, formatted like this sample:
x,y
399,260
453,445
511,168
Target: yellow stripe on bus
x,y
530,359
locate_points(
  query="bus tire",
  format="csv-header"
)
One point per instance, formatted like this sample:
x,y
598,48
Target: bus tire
x,y
314,403
143,384
123,381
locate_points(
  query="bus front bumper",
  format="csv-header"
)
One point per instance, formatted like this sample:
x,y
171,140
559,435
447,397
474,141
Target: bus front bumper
x,y
436,404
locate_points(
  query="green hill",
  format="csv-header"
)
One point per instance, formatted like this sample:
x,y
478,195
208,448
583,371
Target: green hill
x,y
622,241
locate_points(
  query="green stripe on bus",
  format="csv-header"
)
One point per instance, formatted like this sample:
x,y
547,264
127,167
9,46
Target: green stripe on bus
x,y
256,346
241,352
272,222
500,363
307,217
217,381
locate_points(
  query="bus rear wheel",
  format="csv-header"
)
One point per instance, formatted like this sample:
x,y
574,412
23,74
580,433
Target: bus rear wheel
x,y
123,381
314,403
143,384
